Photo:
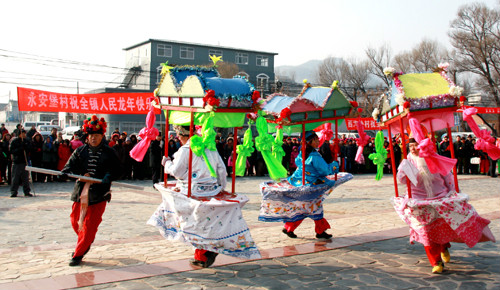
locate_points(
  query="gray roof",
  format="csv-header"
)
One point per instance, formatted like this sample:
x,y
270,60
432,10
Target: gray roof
x,y
195,44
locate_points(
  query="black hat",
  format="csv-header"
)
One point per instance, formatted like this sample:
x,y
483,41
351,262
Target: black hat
x,y
309,135
412,140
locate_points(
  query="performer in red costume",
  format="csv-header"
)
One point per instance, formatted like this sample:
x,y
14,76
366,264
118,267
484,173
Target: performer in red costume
x,y
95,159
436,213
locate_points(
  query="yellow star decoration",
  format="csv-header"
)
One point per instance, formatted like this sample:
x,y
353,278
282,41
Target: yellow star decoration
x,y
215,59
165,68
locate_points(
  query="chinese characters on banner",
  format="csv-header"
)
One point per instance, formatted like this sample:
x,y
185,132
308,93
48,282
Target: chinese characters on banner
x,y
107,103
485,110
369,123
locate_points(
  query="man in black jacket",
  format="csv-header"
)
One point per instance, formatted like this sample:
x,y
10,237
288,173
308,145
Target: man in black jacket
x,y
156,153
94,159
20,148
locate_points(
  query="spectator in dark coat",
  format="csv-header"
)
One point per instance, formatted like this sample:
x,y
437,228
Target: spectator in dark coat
x,y
172,148
468,154
352,148
36,157
287,147
6,164
326,152
459,148
20,148
155,156
49,157
444,147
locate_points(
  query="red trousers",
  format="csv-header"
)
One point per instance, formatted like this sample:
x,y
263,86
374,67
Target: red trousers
x,y
93,218
200,255
484,166
434,252
319,225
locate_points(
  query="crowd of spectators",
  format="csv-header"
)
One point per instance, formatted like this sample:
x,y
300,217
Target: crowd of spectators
x,y
54,151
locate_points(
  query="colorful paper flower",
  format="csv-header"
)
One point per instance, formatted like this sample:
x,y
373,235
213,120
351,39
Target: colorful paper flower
x,y
375,114
400,99
444,66
389,71
406,105
455,91
210,99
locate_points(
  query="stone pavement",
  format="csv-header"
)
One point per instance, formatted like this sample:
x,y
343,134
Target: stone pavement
x,y
370,248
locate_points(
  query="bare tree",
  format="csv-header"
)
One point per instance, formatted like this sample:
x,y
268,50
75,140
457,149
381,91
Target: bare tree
x,y
427,55
352,76
475,35
357,74
332,69
404,61
227,69
380,59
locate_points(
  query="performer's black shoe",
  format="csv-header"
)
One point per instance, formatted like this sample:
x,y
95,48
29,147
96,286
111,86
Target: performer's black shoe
x,y
75,261
13,194
198,263
210,259
28,194
323,235
289,234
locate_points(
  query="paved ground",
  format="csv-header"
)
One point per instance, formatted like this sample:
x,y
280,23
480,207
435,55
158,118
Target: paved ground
x,y
370,248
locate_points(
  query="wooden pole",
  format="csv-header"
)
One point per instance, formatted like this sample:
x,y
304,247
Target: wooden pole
x,y
403,141
393,161
167,129
190,167
452,151
303,141
233,173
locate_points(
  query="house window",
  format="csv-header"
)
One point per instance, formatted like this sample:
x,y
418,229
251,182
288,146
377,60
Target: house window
x,y
262,60
241,58
158,74
164,50
243,74
214,52
262,81
187,52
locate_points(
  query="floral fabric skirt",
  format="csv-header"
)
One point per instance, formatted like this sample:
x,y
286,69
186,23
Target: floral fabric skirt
x,y
443,220
286,203
215,224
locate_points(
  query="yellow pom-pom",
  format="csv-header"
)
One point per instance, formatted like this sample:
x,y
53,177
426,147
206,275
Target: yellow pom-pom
x,y
305,81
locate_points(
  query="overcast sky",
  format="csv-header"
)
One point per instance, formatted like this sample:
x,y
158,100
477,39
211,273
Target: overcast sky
x,y
97,31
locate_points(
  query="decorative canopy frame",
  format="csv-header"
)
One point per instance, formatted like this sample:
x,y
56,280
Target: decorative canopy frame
x,y
183,95
313,107
431,98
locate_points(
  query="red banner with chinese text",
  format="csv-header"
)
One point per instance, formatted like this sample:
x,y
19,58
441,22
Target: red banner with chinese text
x,y
485,110
107,103
369,123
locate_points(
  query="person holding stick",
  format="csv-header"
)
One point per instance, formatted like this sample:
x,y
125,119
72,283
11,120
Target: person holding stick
x,y
97,160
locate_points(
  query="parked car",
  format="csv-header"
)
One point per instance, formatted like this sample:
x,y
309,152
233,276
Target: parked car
x,y
68,132
27,125
43,128
461,134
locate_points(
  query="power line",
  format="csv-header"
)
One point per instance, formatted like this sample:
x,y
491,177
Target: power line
x,y
64,60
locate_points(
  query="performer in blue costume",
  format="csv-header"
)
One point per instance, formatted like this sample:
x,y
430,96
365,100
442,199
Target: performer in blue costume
x,y
316,170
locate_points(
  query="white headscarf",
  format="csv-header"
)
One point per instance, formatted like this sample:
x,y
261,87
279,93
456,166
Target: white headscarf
x,y
425,174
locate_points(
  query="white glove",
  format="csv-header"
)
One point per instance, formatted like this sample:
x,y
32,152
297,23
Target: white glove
x,y
164,160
